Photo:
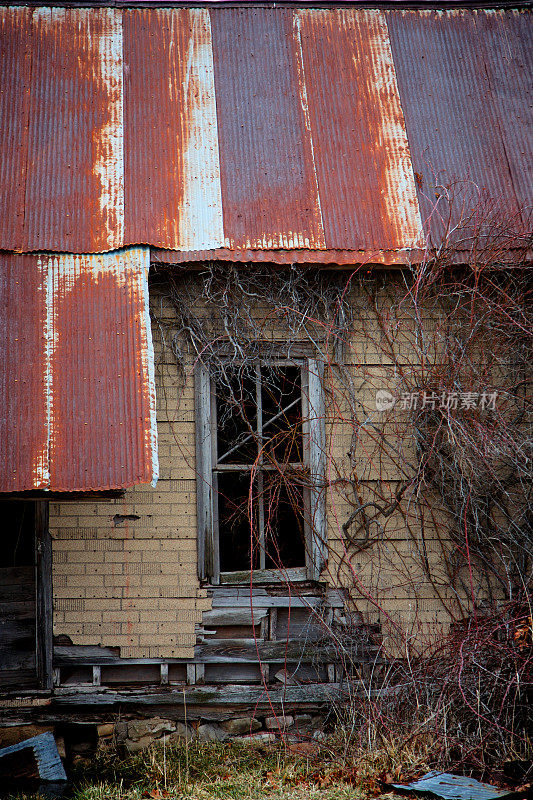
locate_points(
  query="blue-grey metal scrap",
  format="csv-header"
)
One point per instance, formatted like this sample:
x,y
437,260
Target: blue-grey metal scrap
x,y
46,755
454,787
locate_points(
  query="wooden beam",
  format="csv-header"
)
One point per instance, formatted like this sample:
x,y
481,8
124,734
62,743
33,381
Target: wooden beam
x,y
207,542
226,695
224,651
65,655
44,625
221,617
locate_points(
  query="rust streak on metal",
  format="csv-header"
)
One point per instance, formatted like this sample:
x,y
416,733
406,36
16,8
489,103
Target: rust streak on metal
x,y
109,138
399,192
15,58
172,160
153,129
201,214
23,421
73,195
101,434
268,179
76,372
361,151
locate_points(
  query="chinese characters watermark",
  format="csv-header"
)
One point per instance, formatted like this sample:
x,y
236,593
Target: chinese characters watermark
x,y
433,401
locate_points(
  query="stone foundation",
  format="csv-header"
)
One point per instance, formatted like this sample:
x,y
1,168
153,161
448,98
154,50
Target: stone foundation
x,y
80,741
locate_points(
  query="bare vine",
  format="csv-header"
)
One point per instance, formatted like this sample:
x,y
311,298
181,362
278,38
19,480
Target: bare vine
x,y
448,461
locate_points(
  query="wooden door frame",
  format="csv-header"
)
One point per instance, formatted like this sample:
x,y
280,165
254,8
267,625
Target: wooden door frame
x,y
43,599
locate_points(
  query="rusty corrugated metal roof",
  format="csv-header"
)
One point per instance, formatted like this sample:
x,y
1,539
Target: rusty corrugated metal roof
x,y
255,129
269,185
465,80
171,153
77,392
367,190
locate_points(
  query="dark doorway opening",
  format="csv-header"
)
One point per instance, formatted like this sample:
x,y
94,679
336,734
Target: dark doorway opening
x,y
25,595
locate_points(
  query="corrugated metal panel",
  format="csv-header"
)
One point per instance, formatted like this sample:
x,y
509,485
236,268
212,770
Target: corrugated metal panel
x,y
465,84
74,194
77,373
15,58
172,160
306,148
269,190
102,427
23,407
366,181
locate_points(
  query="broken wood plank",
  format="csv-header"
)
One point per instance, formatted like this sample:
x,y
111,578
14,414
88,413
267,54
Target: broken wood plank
x,y
65,655
227,695
252,650
232,616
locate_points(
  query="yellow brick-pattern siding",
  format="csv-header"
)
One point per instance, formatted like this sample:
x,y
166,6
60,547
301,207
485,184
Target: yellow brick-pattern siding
x,y
132,582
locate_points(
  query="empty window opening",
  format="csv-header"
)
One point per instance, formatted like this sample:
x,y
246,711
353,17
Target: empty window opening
x,y
259,469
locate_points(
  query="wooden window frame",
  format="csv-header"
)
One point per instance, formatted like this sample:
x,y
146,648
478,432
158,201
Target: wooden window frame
x,y
312,372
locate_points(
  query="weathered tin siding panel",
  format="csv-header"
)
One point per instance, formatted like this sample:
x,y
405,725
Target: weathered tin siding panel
x,y
74,198
77,387
467,99
15,58
365,178
101,433
172,160
23,418
269,190
510,80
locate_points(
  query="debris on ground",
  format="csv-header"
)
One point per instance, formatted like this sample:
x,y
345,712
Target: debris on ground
x,y
455,787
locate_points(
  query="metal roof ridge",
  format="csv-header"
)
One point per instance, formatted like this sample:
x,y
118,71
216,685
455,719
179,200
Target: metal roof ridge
x,y
407,5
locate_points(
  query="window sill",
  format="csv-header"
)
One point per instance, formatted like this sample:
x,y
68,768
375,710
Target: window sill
x,y
262,576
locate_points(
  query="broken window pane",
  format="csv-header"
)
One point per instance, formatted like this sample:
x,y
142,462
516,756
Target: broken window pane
x,y
236,419
238,538
284,526
281,394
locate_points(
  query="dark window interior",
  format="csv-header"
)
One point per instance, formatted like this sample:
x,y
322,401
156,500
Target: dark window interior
x,y
18,526
284,530
237,420
281,393
238,539
259,428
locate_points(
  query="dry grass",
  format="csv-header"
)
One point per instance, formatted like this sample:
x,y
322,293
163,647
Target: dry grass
x,y
205,771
